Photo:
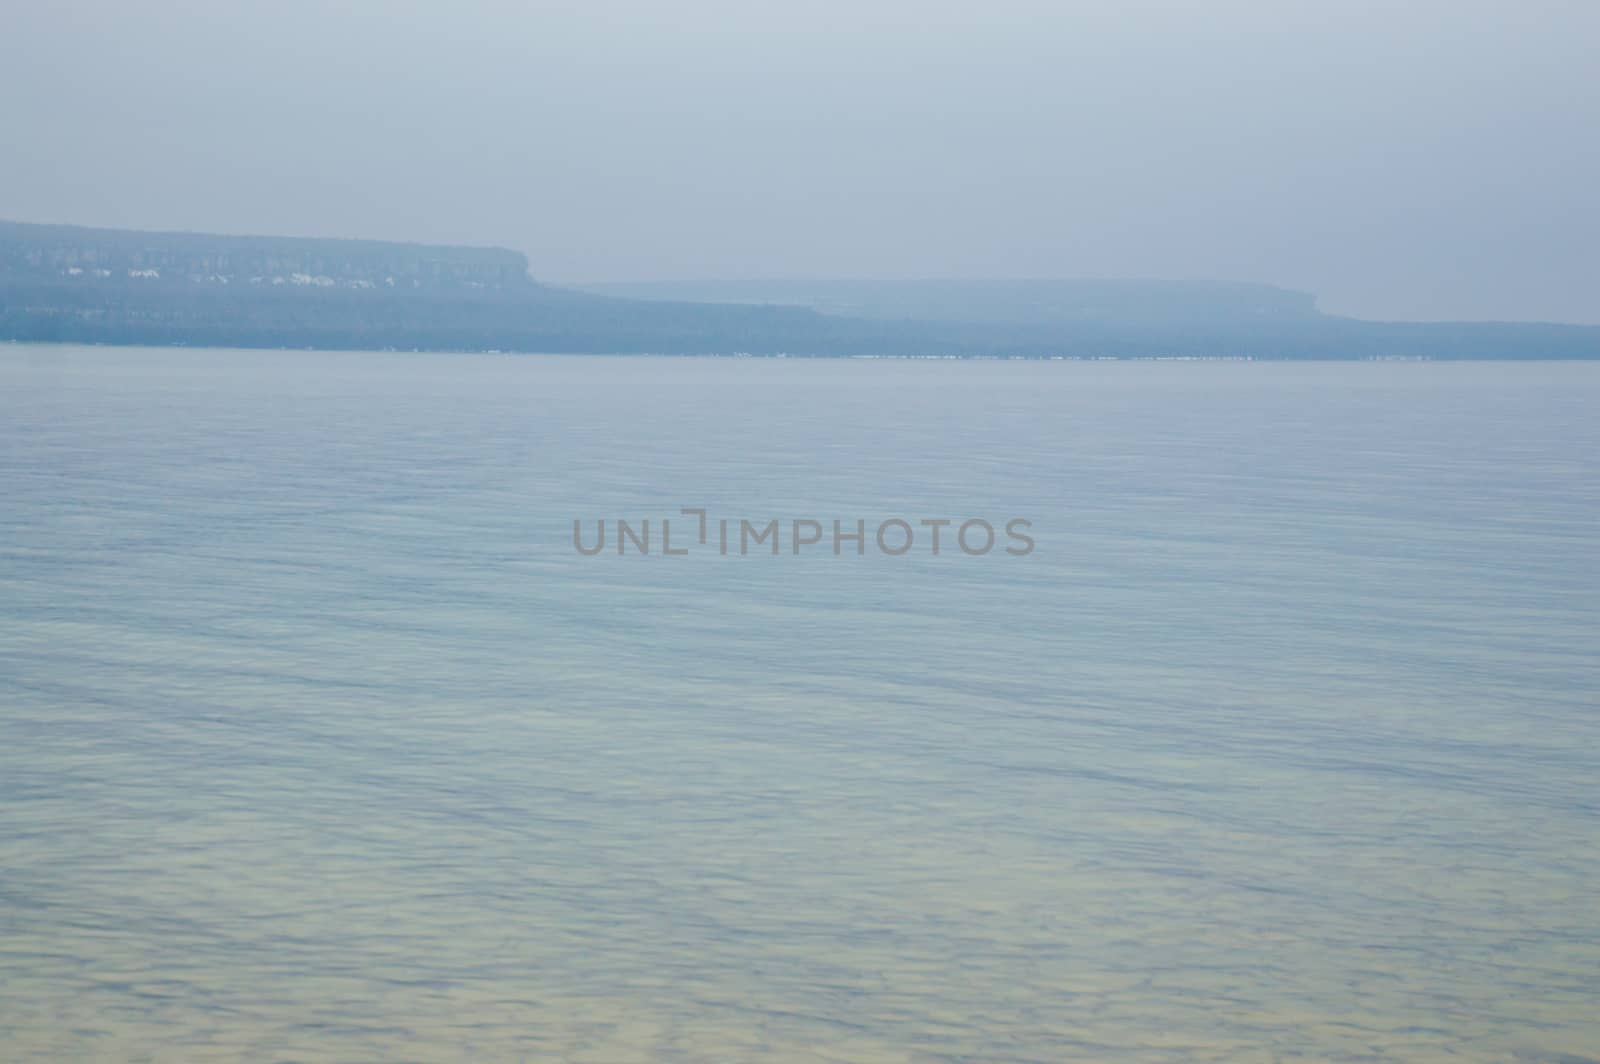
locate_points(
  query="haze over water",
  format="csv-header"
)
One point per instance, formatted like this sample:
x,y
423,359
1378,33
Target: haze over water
x,y
319,741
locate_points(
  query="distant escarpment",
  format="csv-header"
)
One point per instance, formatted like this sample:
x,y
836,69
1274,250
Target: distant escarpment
x,y
112,258
80,285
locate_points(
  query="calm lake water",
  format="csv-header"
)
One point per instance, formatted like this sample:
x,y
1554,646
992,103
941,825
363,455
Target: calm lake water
x,y
319,741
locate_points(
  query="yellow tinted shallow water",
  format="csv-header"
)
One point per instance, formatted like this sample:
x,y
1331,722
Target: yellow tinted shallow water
x,y
320,744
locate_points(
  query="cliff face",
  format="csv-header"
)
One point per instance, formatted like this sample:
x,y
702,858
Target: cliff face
x,y
114,257
81,285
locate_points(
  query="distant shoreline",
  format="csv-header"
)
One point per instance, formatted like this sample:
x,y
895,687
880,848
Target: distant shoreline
x,y
784,356
69,284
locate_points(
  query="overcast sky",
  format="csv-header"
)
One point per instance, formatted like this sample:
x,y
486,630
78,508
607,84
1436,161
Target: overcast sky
x,y
1402,159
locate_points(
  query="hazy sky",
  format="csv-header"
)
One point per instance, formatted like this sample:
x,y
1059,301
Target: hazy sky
x,y
1407,158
